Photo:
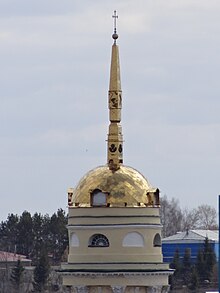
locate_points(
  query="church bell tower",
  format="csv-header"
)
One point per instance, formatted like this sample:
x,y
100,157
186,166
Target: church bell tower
x,y
113,220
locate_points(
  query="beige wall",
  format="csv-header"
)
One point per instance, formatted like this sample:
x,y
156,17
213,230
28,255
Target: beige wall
x,y
115,224
144,262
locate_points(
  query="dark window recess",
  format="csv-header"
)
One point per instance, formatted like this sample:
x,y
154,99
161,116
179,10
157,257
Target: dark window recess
x,y
157,240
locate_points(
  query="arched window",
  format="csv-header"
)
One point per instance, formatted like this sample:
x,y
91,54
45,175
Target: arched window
x,y
74,240
157,240
98,198
98,240
133,239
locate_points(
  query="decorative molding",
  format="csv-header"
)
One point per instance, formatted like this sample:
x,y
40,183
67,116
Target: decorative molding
x,y
158,289
154,289
113,216
81,289
106,226
115,274
118,289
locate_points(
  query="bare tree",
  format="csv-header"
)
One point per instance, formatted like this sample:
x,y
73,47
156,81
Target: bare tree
x,y
207,217
190,219
174,219
171,216
202,217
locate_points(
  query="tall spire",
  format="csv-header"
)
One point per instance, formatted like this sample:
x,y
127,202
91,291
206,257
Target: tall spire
x,y
115,139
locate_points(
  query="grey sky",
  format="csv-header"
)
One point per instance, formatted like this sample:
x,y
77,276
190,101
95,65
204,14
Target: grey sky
x,y
54,76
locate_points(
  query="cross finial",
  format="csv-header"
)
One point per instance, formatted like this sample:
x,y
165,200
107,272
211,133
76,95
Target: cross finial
x,y
115,16
115,35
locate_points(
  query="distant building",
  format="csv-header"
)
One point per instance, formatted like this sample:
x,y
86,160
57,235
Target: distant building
x,y
192,239
9,259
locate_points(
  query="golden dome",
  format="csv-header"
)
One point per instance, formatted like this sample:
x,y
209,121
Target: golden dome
x,y
124,187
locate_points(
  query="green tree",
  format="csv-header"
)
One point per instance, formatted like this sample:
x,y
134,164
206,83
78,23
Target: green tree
x,y
176,264
41,272
186,267
17,276
206,260
194,280
200,264
25,234
187,259
209,259
40,235
9,233
58,235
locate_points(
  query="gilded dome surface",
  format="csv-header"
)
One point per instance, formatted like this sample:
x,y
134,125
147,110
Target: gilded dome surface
x,y
124,186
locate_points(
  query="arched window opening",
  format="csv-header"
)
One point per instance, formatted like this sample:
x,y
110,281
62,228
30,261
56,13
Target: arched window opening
x,y
98,198
157,240
157,197
134,239
98,240
74,240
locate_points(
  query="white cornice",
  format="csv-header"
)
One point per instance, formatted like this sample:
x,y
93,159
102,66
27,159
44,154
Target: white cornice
x,y
110,226
116,274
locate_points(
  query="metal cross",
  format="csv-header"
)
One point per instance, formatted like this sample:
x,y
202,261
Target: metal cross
x,y
115,16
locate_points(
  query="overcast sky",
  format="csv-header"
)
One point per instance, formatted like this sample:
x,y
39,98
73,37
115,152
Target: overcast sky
x,y
54,77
